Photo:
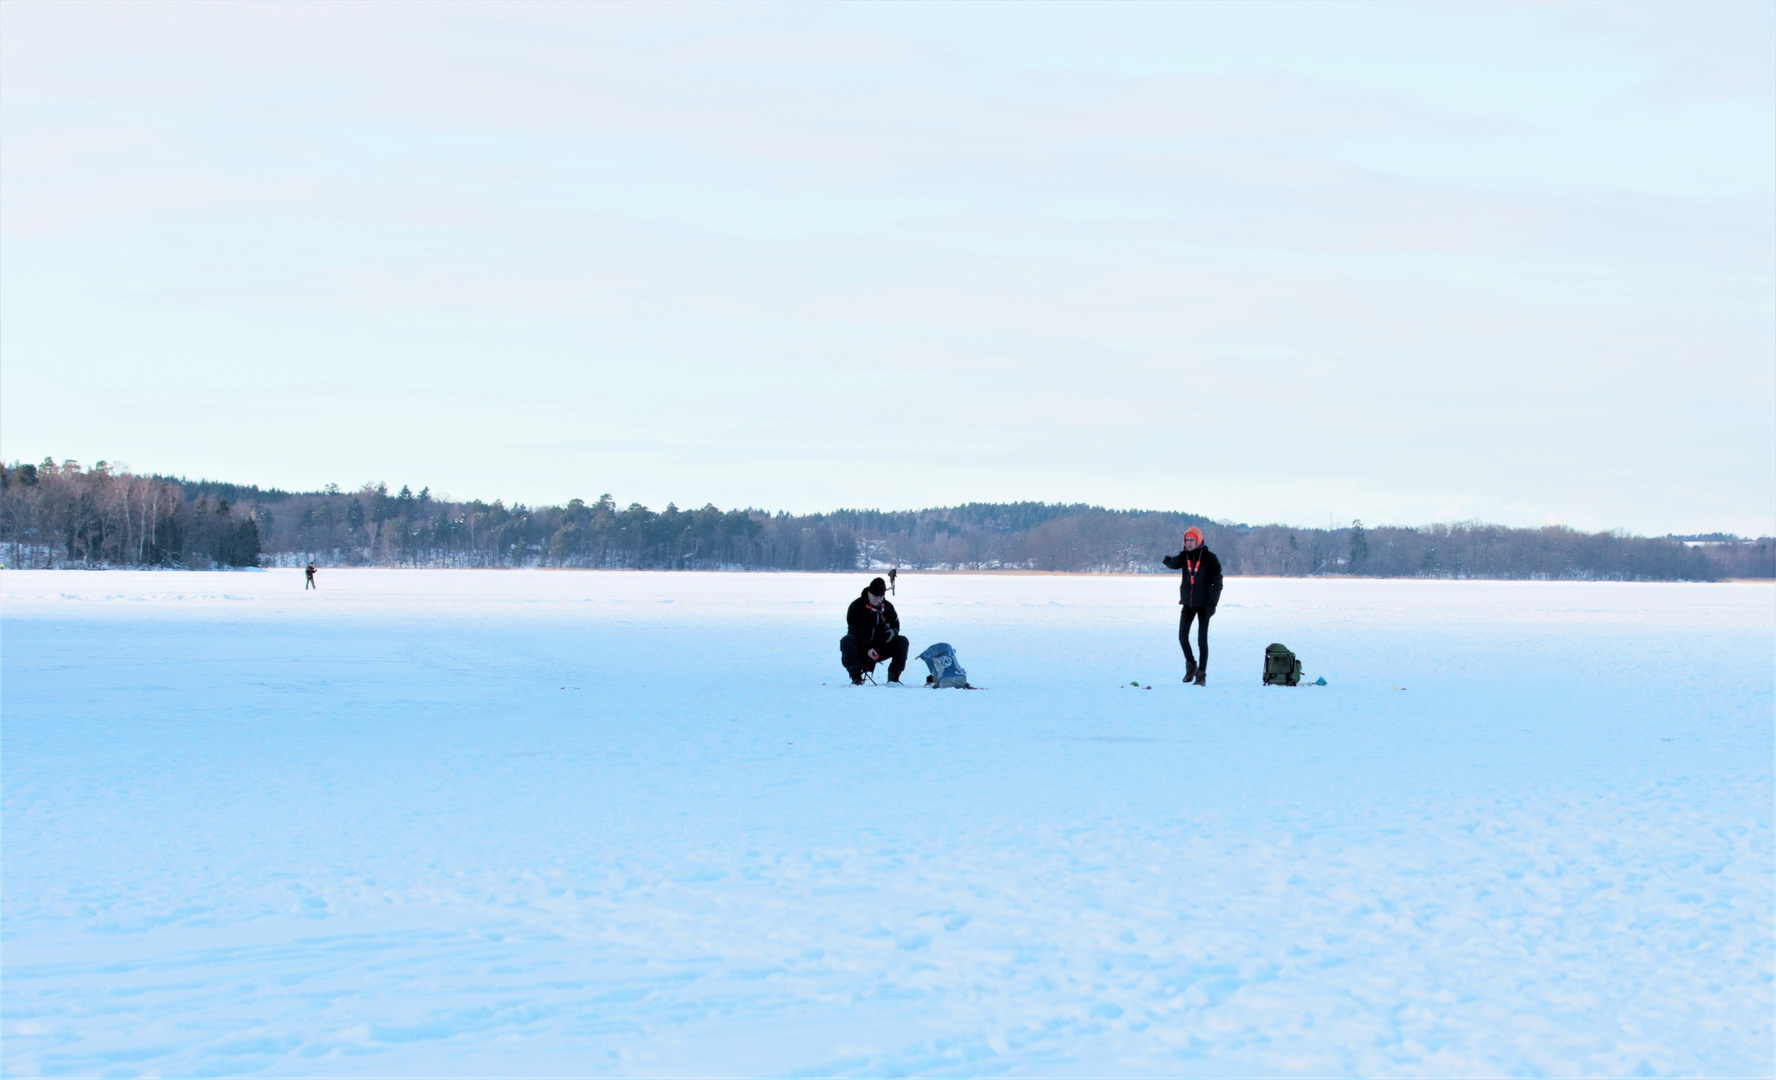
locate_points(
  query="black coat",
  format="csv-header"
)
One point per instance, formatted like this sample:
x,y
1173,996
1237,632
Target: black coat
x,y
1206,591
874,628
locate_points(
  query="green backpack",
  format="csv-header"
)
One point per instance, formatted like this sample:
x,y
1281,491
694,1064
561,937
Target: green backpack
x,y
1281,667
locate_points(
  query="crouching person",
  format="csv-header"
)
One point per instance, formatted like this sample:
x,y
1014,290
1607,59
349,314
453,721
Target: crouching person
x,y
874,635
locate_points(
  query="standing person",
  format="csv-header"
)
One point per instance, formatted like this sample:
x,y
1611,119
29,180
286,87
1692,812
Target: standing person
x,y
874,635
308,578
892,572
1199,591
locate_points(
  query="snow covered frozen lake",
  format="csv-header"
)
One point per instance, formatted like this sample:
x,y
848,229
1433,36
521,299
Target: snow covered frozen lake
x,y
568,823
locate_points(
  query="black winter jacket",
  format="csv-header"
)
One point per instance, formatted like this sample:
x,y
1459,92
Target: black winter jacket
x,y
874,628
1205,592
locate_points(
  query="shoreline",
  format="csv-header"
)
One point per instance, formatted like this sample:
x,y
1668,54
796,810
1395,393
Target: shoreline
x,y
876,573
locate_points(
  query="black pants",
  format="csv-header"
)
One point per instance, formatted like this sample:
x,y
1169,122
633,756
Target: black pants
x,y
1202,635
855,656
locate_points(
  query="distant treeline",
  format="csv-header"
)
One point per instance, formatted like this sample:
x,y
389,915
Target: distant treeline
x,y
60,515
63,515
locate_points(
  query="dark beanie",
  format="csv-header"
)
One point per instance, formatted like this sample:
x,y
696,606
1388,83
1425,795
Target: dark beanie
x,y
878,586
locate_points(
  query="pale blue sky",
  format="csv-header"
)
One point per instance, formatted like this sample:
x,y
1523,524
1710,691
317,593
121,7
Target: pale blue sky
x,y
1265,262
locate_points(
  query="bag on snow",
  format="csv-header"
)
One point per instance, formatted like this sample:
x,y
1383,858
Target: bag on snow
x,y
1281,667
945,671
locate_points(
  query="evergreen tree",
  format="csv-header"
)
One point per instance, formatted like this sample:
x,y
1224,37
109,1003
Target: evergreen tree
x,y
1359,547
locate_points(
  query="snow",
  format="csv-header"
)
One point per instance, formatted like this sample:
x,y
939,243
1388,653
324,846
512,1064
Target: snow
x,y
583,823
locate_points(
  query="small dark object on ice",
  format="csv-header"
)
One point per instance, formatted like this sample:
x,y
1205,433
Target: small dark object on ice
x,y
1281,667
946,670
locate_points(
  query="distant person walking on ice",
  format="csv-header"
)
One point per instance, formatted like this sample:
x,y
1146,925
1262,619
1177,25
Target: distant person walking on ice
x,y
308,578
874,635
1199,591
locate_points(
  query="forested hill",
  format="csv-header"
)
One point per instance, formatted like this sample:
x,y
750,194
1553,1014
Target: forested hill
x,y
65,515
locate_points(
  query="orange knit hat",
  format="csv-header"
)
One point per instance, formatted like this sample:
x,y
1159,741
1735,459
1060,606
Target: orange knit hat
x,y
1196,532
